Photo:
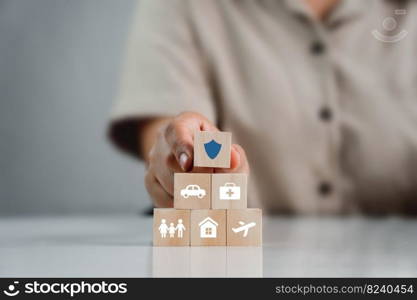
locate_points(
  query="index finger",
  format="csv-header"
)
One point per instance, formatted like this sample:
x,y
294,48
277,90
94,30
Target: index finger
x,y
179,135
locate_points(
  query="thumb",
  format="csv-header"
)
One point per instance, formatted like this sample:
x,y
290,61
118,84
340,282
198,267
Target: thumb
x,y
179,135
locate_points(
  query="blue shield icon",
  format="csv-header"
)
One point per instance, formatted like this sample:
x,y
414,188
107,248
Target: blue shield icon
x,y
212,148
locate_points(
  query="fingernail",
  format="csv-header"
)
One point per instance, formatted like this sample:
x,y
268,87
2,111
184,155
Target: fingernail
x,y
183,161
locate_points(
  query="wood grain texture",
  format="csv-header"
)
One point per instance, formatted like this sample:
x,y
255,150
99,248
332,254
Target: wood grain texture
x,y
196,189
172,217
229,191
247,216
197,221
222,160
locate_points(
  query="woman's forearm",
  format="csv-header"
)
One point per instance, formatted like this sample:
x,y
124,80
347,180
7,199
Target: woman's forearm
x,y
148,130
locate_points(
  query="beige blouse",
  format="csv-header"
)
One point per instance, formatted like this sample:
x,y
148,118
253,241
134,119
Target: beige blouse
x,y
326,111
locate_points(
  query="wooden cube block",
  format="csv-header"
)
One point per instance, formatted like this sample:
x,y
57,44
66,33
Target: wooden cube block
x,y
171,227
228,191
212,149
243,261
244,227
208,261
208,227
164,266
192,191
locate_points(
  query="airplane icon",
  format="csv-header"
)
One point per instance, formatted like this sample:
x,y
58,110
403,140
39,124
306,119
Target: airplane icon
x,y
244,227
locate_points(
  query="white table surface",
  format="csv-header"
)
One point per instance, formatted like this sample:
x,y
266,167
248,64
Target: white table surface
x,y
120,246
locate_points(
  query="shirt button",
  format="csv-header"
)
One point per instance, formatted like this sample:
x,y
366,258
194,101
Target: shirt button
x,y
325,188
325,114
317,48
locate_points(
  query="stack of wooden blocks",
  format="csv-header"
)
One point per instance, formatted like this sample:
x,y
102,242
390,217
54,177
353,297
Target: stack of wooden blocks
x,y
209,209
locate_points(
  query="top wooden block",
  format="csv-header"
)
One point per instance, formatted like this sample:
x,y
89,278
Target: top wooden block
x,y
212,149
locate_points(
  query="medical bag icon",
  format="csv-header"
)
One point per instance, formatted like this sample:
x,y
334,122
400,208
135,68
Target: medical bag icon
x,y
229,191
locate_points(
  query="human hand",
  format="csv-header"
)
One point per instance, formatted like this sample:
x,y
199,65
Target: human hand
x,y
172,153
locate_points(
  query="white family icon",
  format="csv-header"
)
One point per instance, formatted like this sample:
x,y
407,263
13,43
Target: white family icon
x,y
164,229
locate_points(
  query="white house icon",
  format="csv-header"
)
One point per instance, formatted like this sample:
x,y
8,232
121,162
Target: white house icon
x,y
208,228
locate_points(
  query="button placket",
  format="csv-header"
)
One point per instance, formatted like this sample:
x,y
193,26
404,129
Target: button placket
x,y
326,182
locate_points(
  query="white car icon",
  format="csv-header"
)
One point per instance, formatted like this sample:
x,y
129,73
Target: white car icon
x,y
193,190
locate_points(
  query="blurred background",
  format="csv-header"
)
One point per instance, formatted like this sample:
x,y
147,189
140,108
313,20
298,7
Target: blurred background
x,y
60,62
60,65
